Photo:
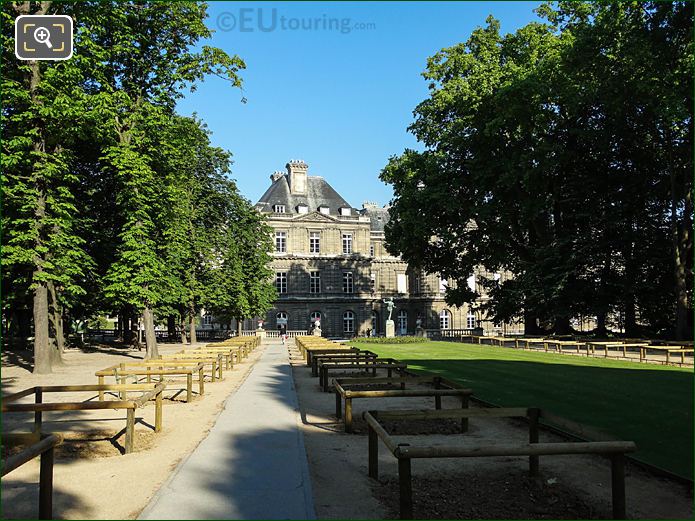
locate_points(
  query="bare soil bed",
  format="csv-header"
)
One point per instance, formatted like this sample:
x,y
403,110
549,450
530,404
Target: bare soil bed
x,y
92,477
569,487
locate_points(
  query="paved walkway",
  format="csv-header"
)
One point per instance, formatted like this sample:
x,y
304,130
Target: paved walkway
x,y
253,463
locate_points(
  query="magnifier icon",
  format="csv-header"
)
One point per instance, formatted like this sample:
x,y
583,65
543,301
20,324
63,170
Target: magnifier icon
x,y
42,35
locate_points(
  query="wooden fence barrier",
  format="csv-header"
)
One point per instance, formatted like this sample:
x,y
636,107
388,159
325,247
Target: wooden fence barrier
x,y
186,370
45,449
149,391
344,394
389,366
404,453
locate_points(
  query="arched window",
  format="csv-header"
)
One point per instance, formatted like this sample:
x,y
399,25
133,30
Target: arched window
x,y
281,318
375,322
348,322
445,319
470,320
315,317
402,322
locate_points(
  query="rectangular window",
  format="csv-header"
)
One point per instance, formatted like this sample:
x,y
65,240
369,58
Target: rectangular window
x,y
347,243
470,320
314,282
315,242
442,285
281,242
324,210
347,282
279,208
281,281
345,212
400,282
372,282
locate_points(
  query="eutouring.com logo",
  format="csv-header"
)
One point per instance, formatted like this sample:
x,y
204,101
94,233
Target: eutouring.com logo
x,y
251,19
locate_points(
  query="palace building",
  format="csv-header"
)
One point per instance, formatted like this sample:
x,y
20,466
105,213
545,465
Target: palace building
x,y
331,265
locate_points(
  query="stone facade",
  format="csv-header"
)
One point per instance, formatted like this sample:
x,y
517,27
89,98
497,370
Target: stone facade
x,y
331,263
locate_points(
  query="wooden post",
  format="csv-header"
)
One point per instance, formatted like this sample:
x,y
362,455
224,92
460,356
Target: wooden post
x,y
348,414
129,431
464,421
219,369
189,388
46,485
533,415
606,348
158,412
38,398
618,485
373,453
201,381
338,405
641,353
668,356
406,488
101,393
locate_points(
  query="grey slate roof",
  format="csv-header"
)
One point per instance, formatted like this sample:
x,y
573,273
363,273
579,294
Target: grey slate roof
x,y
319,193
378,217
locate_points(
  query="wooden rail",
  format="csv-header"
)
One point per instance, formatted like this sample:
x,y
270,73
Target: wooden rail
x,y
339,357
120,372
389,366
404,453
45,449
343,394
149,391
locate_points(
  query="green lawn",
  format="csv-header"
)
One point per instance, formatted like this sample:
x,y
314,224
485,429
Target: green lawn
x,y
649,404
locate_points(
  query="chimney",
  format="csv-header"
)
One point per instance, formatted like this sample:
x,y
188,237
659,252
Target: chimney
x,y
297,170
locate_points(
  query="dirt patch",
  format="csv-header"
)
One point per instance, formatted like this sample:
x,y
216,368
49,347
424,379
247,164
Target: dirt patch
x,y
411,427
496,495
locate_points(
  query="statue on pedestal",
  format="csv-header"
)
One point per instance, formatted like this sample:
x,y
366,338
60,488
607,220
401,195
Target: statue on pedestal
x,y
389,306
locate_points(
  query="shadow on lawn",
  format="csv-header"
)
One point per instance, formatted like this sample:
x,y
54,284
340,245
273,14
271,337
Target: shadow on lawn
x,y
652,407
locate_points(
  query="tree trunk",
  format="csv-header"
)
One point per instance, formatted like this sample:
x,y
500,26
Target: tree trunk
x,y
56,317
191,316
171,327
562,326
42,345
239,326
150,337
531,326
135,330
184,337
601,324
120,328
682,243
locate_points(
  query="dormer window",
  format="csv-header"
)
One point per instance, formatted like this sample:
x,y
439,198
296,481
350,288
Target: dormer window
x,y
302,208
345,212
279,208
325,210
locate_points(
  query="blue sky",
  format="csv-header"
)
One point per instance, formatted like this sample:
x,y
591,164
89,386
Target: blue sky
x,y
333,83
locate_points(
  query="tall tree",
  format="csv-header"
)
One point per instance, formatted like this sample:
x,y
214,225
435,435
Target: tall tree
x,y
43,104
147,61
557,143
